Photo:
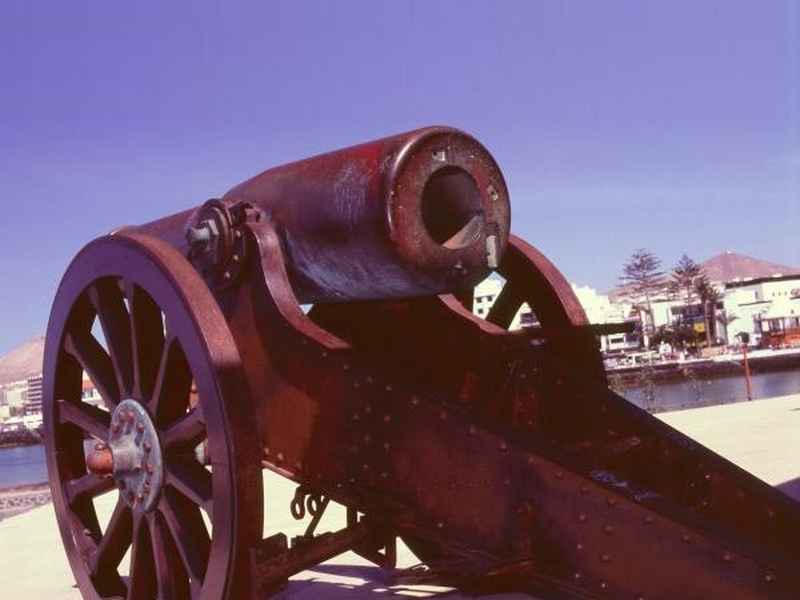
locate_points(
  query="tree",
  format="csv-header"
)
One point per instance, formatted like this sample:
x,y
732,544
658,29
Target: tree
x,y
643,273
689,282
709,297
684,280
725,318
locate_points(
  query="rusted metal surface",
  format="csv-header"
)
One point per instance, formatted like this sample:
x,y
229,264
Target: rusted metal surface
x,y
500,457
419,213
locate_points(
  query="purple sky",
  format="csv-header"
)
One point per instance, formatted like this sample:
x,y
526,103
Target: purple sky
x,y
673,126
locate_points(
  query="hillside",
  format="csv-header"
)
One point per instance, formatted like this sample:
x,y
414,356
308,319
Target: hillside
x,y
723,268
23,361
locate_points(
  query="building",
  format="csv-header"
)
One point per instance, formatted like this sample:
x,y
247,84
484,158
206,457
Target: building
x,y
33,401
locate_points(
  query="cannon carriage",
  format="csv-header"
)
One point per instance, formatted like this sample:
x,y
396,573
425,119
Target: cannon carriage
x,y
316,321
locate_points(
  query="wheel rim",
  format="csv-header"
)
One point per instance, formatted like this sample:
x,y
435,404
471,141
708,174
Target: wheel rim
x,y
180,501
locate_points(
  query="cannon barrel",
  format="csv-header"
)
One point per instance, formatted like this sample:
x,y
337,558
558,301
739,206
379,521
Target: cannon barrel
x,y
424,212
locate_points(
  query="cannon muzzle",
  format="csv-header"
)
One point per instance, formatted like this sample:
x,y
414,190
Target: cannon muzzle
x,y
420,213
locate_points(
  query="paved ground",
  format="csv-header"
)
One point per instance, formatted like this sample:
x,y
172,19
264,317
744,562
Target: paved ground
x,y
762,437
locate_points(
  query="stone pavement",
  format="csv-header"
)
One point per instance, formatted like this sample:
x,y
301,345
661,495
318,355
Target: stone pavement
x,y
762,437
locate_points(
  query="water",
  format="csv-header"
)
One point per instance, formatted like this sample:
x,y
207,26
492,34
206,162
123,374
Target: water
x,y
22,465
697,391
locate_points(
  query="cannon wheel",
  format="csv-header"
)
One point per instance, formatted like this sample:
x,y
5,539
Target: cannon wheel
x,y
530,278
169,500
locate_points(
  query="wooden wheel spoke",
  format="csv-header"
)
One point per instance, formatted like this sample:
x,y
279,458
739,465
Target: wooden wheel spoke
x,y
189,532
87,418
171,578
147,332
142,580
90,485
115,541
191,479
173,384
185,433
112,313
505,306
94,359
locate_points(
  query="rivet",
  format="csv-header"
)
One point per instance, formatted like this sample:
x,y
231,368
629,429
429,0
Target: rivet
x,y
608,529
686,537
584,489
387,418
473,430
727,557
503,447
769,577
388,387
386,445
648,519
440,525
605,558
582,518
603,585
611,501
279,457
579,546
414,401
367,438
559,475
577,576
345,367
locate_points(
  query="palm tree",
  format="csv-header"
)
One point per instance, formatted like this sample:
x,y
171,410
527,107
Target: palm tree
x,y
709,296
725,318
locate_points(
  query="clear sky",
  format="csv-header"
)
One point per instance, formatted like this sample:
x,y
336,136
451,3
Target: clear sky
x,y
673,126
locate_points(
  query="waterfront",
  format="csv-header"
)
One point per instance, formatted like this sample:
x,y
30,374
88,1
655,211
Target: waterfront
x,y
22,465
694,391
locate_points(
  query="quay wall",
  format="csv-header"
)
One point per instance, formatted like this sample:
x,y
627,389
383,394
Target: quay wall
x,y
14,501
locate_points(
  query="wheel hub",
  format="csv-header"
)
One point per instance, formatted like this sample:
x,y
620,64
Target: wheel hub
x,y
137,462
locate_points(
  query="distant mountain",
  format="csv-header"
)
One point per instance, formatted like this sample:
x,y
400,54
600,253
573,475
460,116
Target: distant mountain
x,y
23,362
732,266
725,267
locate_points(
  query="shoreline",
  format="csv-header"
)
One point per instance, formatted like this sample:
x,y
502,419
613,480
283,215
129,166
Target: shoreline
x,y
19,499
725,365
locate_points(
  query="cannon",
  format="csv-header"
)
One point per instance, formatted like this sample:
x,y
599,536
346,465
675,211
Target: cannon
x,y
317,321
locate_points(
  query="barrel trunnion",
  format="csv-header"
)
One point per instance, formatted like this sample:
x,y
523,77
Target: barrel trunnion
x,y
316,321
